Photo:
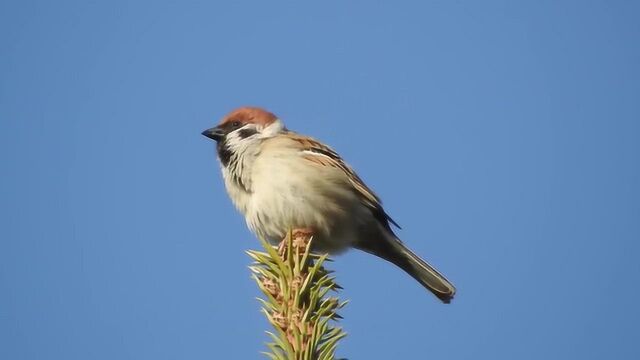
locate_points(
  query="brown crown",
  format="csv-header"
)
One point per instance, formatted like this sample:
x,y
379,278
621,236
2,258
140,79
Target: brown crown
x,y
249,115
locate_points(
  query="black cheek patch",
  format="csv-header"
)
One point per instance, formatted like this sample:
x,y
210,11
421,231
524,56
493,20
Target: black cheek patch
x,y
245,133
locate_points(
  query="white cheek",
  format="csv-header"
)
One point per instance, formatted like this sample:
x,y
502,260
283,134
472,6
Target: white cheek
x,y
233,139
237,144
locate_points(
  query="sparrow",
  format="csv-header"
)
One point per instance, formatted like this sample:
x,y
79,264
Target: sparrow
x,y
281,180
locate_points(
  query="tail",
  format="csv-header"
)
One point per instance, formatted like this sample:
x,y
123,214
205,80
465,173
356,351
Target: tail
x,y
394,251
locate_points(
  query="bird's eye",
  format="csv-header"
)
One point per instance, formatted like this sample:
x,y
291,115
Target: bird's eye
x,y
235,124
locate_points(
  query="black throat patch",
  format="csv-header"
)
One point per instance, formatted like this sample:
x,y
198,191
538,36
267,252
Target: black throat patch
x,y
224,153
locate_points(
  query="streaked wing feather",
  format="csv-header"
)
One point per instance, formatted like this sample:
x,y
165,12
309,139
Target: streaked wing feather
x,y
325,156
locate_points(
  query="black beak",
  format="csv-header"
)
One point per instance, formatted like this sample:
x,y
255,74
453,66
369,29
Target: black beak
x,y
214,133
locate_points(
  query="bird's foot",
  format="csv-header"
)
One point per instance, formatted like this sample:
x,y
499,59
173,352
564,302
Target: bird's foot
x,y
299,241
300,238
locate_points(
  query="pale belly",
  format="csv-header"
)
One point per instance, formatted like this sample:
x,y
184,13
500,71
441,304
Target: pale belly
x,y
285,200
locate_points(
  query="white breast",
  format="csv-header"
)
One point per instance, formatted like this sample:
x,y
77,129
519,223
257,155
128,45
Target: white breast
x,y
291,192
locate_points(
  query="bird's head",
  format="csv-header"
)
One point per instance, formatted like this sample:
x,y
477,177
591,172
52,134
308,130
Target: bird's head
x,y
242,130
245,123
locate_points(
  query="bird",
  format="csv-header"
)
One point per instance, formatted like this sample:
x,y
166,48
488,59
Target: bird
x,y
282,180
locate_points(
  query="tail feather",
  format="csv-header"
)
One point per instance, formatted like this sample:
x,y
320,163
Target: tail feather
x,y
397,253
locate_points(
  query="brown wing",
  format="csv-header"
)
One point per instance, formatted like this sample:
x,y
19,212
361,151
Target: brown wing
x,y
323,155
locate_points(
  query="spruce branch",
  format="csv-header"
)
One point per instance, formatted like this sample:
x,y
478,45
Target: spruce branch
x,y
296,286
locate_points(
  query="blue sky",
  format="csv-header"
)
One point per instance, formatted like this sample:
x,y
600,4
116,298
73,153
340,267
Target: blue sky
x,y
503,136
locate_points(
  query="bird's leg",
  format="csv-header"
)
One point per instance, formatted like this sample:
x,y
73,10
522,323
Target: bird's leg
x,y
282,248
300,238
